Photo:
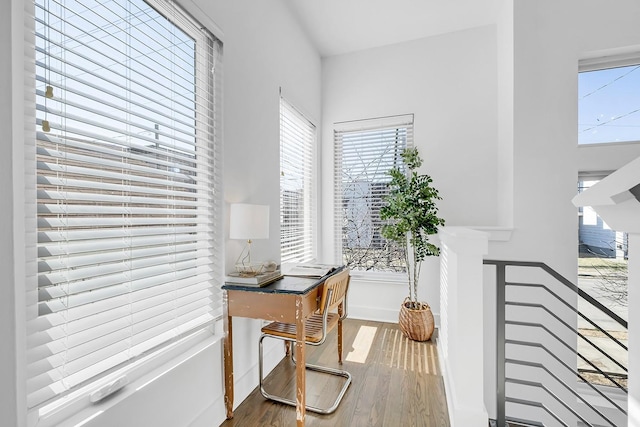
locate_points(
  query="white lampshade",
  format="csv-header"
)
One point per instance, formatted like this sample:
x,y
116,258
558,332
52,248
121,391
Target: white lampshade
x,y
248,222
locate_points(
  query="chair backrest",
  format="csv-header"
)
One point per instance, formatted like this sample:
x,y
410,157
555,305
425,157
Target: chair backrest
x,y
338,283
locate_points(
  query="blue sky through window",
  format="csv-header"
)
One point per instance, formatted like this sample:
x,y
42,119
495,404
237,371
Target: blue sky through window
x,y
609,105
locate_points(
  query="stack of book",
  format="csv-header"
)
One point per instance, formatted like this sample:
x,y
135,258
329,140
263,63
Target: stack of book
x,y
262,279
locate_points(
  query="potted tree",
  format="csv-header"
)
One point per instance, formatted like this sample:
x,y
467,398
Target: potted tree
x,y
412,215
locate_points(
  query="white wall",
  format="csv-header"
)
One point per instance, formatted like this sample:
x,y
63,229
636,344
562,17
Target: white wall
x,y
548,38
449,83
606,157
264,49
540,86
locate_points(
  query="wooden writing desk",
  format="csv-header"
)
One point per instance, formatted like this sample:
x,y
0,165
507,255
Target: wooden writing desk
x,y
291,300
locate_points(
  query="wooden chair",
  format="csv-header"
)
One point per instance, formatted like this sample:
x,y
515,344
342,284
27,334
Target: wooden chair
x,y
334,295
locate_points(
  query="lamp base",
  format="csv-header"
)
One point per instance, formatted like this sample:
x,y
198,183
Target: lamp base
x,y
249,269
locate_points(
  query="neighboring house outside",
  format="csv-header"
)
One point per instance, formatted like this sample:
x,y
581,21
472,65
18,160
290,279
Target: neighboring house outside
x,y
597,239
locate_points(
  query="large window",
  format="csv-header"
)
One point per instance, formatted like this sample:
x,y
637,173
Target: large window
x,y
602,273
128,195
297,195
365,150
609,101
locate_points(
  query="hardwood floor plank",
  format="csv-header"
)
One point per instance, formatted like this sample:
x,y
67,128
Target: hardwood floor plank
x,y
396,382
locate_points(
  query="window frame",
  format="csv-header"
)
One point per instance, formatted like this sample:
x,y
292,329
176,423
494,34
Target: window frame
x,y
171,353
601,63
606,291
296,128
340,129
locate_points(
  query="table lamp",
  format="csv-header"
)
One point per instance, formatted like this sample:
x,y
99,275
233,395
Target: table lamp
x,y
248,222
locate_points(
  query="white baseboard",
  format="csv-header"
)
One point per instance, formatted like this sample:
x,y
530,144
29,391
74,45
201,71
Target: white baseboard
x,y
448,383
244,384
214,414
380,314
459,416
373,314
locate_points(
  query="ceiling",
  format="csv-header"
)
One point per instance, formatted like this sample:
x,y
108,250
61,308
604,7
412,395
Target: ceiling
x,y
343,26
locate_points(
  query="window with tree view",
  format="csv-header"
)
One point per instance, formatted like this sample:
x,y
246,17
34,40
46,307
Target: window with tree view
x,y
365,151
608,112
603,261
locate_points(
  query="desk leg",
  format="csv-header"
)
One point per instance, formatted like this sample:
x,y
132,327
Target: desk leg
x,y
300,365
228,359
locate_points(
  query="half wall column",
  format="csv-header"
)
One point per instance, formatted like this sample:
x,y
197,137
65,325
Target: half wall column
x,y
460,337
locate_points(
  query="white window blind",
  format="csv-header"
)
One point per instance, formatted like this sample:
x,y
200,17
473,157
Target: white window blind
x,y
128,187
365,150
297,198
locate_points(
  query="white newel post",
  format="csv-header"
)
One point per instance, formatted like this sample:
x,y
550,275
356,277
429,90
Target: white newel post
x,y
460,337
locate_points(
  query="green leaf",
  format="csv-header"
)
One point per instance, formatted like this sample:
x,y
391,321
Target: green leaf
x,y
411,213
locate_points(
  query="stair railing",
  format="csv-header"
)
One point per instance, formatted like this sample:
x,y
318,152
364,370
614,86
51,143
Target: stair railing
x,y
573,405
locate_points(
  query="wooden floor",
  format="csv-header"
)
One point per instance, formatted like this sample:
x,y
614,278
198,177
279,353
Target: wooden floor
x,y
396,382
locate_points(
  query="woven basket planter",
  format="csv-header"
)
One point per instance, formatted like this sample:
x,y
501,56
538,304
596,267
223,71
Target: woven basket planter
x,y
416,323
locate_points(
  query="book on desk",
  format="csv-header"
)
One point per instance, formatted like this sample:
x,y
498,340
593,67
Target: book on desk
x,y
259,280
310,270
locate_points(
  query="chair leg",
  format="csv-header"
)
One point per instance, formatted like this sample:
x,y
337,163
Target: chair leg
x,y
340,313
340,342
311,367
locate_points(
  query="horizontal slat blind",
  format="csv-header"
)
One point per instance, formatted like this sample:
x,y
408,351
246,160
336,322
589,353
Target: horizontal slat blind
x,y
128,187
297,199
365,151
